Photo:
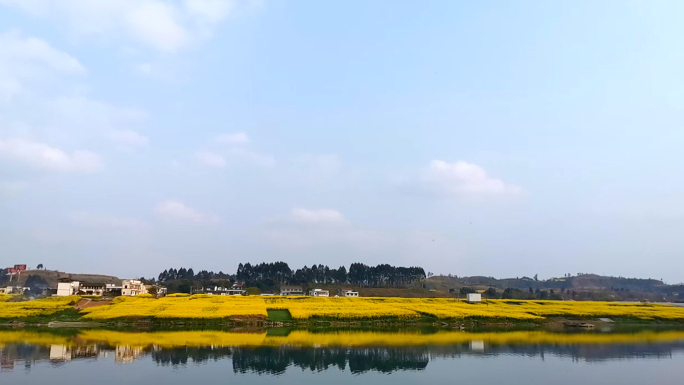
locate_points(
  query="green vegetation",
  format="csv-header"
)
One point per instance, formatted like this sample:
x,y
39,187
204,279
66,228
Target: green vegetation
x,y
279,315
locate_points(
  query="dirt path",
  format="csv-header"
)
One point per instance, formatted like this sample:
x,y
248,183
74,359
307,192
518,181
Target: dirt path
x,y
87,302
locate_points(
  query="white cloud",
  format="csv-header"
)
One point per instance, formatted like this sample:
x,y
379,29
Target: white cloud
x,y
145,68
156,24
319,216
128,137
325,163
80,118
211,159
11,189
235,153
235,138
179,211
94,113
323,229
32,50
107,221
249,156
462,178
164,25
209,11
26,60
42,156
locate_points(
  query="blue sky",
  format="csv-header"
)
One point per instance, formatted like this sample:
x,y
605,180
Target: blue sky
x,y
499,138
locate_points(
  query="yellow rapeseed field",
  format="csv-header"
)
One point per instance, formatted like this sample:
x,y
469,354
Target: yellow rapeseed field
x,y
5,297
188,307
40,307
303,338
451,309
338,308
341,308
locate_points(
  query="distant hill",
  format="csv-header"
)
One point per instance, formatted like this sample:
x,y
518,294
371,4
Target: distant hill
x,y
580,282
53,276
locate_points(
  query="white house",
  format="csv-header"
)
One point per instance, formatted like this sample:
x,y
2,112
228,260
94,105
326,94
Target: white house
x,y
66,288
350,293
131,287
92,288
474,297
319,293
291,290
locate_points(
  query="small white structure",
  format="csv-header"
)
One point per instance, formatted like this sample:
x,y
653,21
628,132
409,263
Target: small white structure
x,y
319,293
131,287
350,293
291,290
474,298
67,288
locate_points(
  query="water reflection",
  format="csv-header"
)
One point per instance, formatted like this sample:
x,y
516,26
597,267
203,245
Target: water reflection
x,y
269,357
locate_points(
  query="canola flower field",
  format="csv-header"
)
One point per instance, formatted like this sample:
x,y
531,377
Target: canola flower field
x,y
41,307
303,308
5,297
198,306
207,307
304,338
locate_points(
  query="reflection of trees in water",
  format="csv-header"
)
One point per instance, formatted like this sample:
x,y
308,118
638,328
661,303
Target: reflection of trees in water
x,y
272,360
276,360
588,353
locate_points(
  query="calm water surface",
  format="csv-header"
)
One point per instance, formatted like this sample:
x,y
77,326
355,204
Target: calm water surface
x,y
108,358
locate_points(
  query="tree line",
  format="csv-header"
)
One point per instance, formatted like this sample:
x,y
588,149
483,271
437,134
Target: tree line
x,y
274,274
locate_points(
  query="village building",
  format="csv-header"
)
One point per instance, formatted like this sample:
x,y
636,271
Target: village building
x,y
319,293
113,290
67,287
132,287
219,290
286,290
90,288
160,291
350,293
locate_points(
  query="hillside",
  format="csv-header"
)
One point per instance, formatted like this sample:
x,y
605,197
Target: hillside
x,y
580,282
53,276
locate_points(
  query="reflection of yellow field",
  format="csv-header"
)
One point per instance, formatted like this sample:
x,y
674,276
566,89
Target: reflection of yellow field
x,y
359,339
185,307
24,337
174,339
41,307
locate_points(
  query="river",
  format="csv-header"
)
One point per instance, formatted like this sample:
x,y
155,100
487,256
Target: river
x,y
331,357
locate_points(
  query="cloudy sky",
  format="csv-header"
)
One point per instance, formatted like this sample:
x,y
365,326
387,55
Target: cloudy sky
x,y
495,138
